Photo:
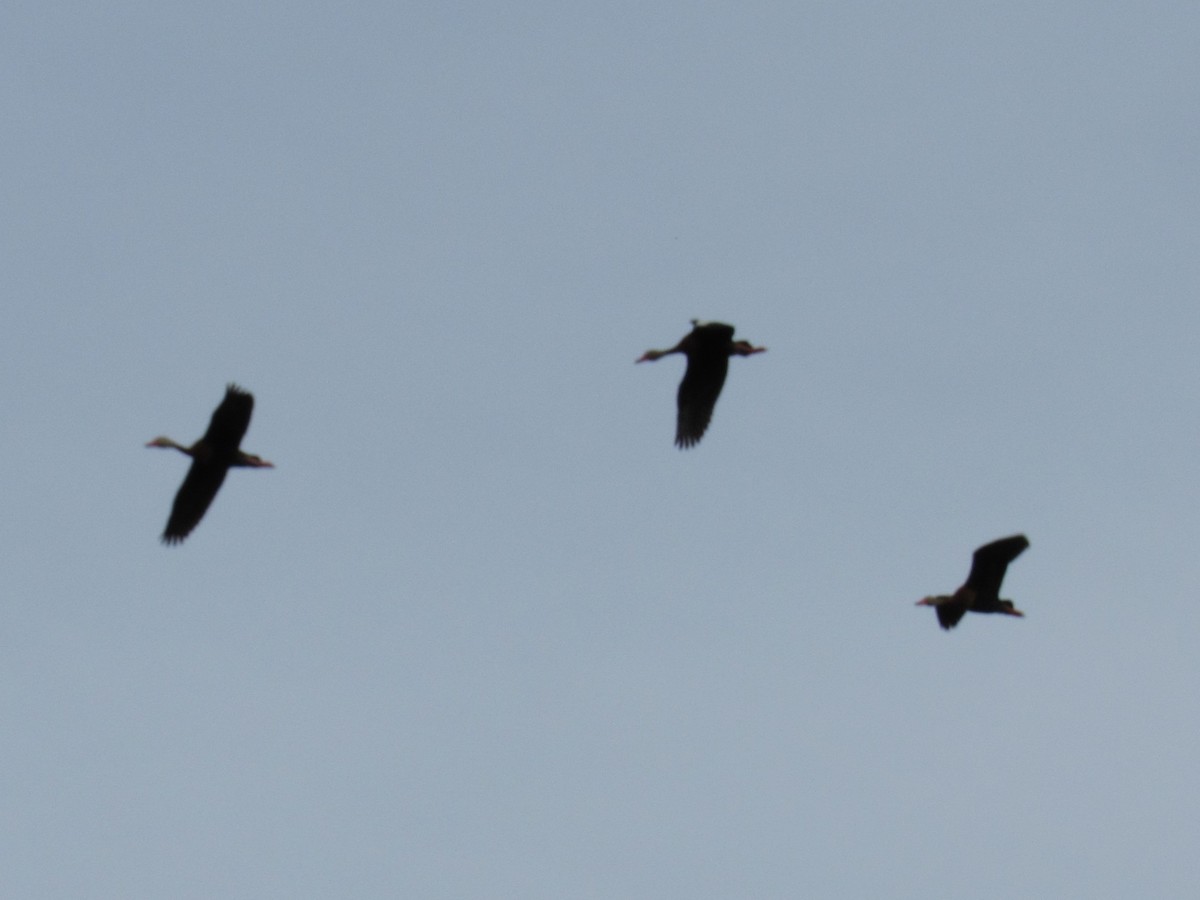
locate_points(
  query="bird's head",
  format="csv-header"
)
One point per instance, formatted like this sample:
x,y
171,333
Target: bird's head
x,y
931,600
162,442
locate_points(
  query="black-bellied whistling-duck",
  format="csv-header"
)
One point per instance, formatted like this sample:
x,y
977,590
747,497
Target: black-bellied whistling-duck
x,y
707,347
981,591
212,456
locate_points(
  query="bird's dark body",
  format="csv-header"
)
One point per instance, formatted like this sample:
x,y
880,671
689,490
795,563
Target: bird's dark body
x,y
707,350
212,457
707,347
981,591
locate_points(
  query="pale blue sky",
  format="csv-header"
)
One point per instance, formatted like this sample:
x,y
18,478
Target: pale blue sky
x,y
484,632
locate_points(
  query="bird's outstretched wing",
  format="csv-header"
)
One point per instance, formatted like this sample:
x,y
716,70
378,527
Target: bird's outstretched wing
x,y
698,393
950,612
229,422
192,500
991,562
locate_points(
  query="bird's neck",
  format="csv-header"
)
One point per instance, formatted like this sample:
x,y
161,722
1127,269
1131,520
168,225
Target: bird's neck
x,y
651,355
167,443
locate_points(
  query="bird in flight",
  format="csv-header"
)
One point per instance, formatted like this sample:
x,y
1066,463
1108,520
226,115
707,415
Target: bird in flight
x,y
981,591
707,347
212,457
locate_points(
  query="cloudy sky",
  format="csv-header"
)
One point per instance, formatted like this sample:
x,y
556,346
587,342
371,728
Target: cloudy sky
x,y
484,632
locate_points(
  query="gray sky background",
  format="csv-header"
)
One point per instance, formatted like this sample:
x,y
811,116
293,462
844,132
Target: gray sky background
x,y
484,632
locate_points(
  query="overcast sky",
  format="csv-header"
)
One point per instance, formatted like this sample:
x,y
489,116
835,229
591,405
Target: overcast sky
x,y
484,631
